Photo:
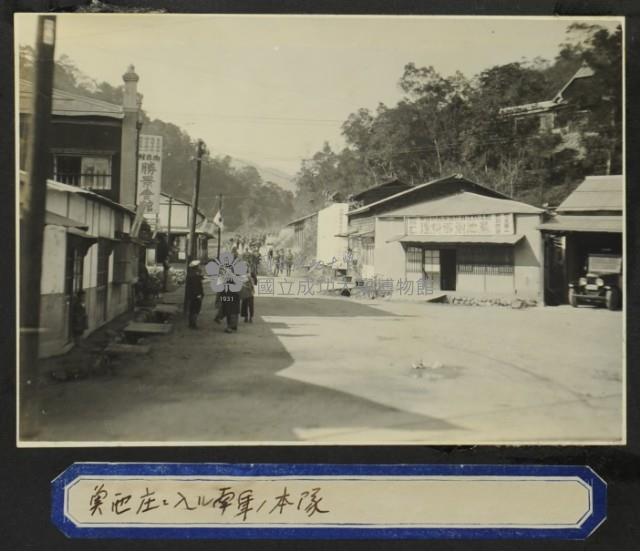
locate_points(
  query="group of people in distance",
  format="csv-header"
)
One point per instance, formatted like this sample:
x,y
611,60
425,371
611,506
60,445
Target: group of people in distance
x,y
280,263
229,303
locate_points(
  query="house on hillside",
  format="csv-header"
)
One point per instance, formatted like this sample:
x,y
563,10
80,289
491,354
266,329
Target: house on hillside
x,y
90,202
565,113
589,220
456,235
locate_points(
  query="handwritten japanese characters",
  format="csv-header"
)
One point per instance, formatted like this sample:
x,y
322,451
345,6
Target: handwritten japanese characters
x,y
233,503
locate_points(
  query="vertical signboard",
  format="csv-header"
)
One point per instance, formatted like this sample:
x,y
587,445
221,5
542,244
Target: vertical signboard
x,y
149,175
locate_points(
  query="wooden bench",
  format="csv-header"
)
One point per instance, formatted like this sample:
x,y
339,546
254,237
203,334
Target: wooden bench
x,y
135,330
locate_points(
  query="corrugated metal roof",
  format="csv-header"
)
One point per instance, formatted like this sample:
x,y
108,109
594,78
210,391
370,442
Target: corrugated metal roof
x,y
301,219
463,203
70,105
596,193
583,223
68,188
510,239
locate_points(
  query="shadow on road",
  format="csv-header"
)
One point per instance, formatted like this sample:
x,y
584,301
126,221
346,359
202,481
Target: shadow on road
x,y
342,307
208,386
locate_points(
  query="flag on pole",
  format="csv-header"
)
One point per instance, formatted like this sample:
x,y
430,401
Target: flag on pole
x,y
217,220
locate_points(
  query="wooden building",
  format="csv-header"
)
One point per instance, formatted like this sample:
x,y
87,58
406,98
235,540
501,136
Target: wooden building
x,y
589,220
89,211
456,234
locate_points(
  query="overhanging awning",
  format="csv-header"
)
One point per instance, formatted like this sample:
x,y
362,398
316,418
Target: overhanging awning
x,y
58,220
81,234
366,234
583,223
208,228
510,239
346,234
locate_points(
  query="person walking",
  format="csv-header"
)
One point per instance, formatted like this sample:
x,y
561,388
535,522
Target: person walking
x,y
229,308
289,261
270,264
194,293
278,262
247,297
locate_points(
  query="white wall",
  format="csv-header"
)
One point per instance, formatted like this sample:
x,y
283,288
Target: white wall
x,y
90,263
332,220
179,215
53,260
56,202
77,209
105,221
528,258
389,258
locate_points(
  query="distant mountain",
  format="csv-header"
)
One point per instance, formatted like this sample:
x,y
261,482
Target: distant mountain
x,y
268,174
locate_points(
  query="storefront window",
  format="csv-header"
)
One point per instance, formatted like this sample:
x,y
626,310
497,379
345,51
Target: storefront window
x,y
414,260
485,260
431,260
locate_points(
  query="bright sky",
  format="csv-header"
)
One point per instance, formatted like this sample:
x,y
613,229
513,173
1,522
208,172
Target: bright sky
x,y
272,89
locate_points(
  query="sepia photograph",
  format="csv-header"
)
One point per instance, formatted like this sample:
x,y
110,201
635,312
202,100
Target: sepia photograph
x,y
320,229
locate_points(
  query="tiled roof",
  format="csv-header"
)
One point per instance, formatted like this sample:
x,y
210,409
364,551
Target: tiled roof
x,y
70,105
453,180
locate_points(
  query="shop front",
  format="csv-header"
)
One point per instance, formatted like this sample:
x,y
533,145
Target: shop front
x,y
497,254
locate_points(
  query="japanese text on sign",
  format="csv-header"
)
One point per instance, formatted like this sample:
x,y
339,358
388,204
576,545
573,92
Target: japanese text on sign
x,y
149,173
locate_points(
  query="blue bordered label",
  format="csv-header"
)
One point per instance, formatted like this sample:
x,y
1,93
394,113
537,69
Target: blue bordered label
x,y
321,501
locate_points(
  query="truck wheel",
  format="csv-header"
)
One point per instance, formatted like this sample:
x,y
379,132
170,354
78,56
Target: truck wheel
x,y
613,299
573,300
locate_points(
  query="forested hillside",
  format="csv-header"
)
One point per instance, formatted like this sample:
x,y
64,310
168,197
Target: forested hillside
x,y
451,124
250,204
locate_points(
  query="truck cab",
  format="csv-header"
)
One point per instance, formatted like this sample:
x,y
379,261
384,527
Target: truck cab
x,y
601,283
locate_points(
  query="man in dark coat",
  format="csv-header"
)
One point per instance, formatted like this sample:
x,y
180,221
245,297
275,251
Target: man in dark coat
x,y
194,292
230,307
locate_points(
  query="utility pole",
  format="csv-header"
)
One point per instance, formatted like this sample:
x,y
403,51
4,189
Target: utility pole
x,y
34,196
138,130
219,229
193,250
168,259
435,142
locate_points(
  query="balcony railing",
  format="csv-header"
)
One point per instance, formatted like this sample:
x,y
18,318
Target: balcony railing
x,y
90,181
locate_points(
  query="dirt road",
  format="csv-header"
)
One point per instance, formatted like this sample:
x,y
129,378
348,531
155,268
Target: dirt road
x,y
340,370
